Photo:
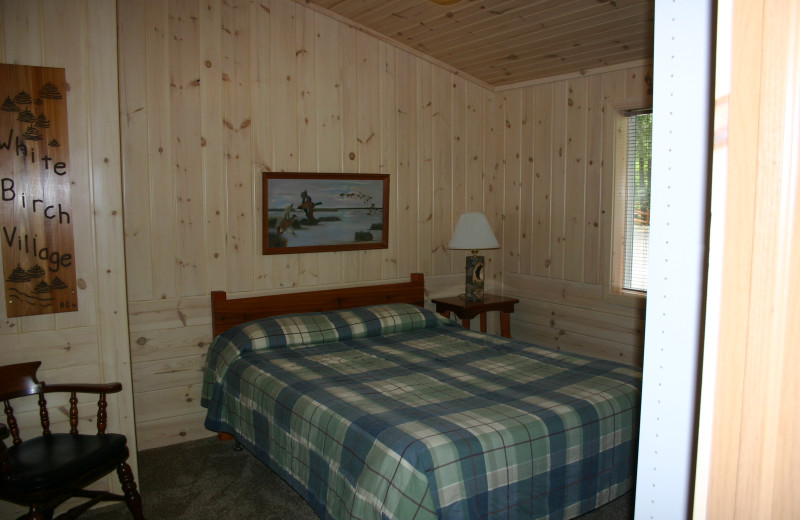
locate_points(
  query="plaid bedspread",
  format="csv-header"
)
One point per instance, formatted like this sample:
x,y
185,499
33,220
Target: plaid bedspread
x,y
394,412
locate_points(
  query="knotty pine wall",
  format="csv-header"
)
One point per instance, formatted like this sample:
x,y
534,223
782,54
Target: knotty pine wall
x,y
213,93
210,95
90,345
557,213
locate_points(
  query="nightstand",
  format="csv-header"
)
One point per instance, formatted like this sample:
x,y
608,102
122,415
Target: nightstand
x,y
467,310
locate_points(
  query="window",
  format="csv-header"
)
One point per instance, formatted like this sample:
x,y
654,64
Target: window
x,y
637,206
631,230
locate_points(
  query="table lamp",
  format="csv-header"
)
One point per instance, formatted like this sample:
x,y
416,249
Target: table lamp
x,y
473,233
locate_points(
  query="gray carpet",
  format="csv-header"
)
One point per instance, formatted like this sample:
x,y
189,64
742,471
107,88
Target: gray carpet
x,y
207,479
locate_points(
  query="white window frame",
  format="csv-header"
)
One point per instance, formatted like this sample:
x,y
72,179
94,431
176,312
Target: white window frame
x,y
615,188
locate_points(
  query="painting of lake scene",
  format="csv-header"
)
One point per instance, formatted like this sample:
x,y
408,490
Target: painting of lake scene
x,y
312,212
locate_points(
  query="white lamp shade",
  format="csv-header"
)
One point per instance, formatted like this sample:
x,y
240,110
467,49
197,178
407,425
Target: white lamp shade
x,y
473,232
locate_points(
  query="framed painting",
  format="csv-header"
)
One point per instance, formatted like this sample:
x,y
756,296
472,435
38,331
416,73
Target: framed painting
x,y
316,212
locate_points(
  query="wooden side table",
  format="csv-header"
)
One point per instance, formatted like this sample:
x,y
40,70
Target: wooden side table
x,y
468,310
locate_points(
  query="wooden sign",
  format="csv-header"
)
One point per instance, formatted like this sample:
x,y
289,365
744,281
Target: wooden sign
x,y
35,207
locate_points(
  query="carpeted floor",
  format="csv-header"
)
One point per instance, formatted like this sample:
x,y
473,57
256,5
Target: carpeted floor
x,y
207,480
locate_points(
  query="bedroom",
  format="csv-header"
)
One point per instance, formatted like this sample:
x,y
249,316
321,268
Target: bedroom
x,y
167,300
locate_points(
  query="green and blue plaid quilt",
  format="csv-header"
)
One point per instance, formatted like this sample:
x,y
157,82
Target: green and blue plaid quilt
x,y
393,412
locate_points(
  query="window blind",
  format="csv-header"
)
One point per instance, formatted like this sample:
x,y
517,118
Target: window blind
x,y
637,200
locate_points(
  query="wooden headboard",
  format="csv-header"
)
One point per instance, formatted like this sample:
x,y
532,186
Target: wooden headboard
x,y
227,313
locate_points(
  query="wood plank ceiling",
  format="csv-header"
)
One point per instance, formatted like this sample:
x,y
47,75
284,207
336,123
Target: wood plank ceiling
x,y
503,42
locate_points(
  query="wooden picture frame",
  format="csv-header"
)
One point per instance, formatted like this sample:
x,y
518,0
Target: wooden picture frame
x,y
319,212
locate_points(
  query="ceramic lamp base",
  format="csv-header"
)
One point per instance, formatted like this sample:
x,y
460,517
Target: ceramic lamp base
x,y
474,285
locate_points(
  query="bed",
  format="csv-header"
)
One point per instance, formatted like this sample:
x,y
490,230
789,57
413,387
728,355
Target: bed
x,y
372,407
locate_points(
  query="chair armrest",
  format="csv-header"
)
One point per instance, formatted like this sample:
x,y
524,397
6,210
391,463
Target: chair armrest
x,y
97,388
100,389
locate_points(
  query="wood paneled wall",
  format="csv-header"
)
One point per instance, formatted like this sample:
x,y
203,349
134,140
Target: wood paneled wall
x,y
557,171
748,453
212,93
92,343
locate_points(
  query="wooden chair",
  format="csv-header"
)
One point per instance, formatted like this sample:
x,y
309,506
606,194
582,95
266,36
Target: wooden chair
x,y
43,472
